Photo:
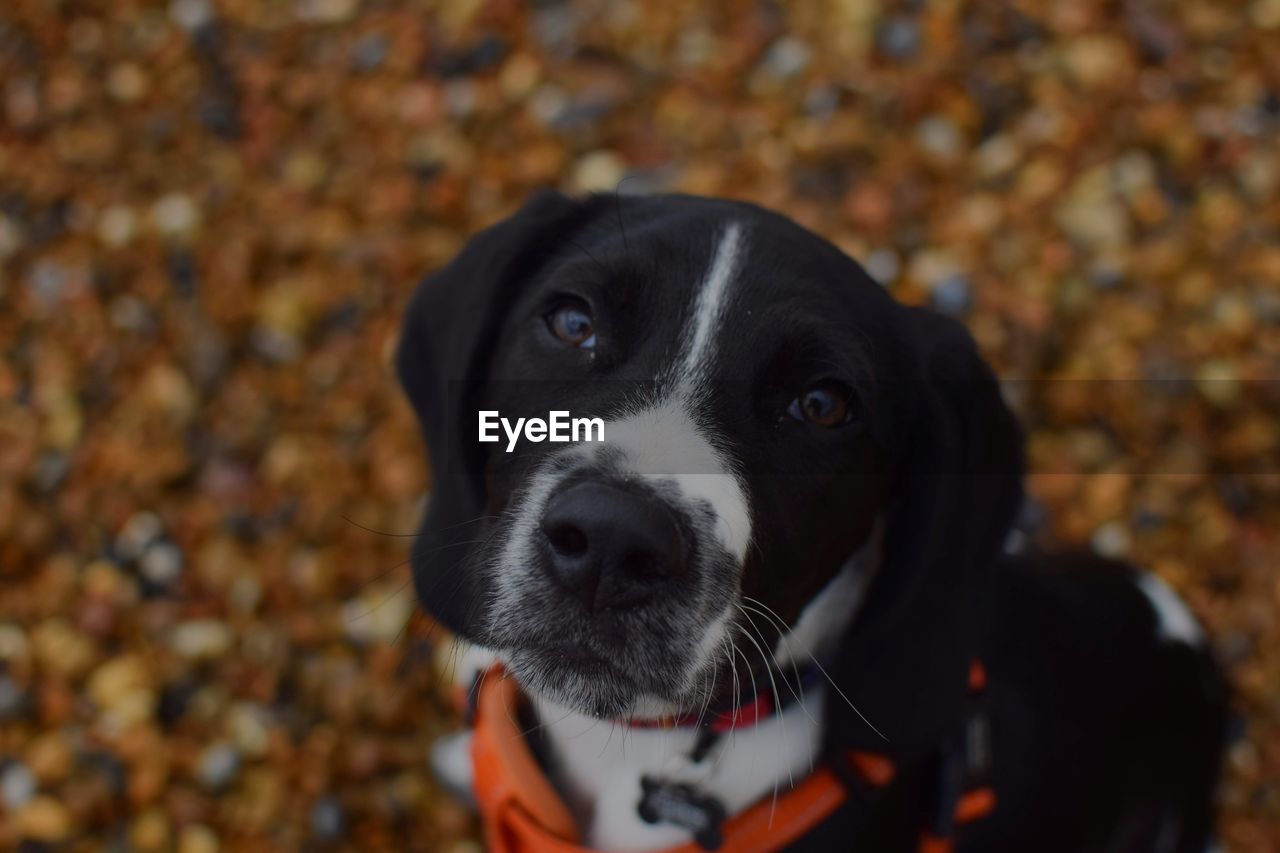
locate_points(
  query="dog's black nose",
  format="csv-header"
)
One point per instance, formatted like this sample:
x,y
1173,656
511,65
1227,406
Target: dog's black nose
x,y
608,545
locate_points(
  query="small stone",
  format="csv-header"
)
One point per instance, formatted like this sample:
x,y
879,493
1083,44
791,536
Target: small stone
x,y
218,766
13,643
952,295
547,104
61,648
13,700
131,315
599,171
139,531
43,819
1219,381
126,82
50,757
117,225
10,237
175,215
883,265
997,155
245,594
369,51
1111,540
115,680
48,281
786,58
201,639
248,727
198,838
17,785
1099,60
379,615
328,823
161,565
899,38
1265,14
102,579
191,15
519,75
151,832
930,266
326,11
938,136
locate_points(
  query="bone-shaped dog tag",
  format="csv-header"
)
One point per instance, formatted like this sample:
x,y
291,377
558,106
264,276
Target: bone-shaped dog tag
x,y
682,805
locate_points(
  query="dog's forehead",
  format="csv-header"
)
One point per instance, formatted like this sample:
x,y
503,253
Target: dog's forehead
x,y
735,285
669,245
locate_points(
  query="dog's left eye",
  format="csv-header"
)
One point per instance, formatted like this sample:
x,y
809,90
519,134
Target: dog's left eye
x,y
571,322
828,403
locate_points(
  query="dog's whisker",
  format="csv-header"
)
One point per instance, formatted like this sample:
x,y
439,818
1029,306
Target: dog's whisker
x,y
782,719
828,677
777,664
794,689
755,690
795,669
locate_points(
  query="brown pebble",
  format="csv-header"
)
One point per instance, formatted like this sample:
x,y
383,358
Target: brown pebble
x,y
198,839
43,819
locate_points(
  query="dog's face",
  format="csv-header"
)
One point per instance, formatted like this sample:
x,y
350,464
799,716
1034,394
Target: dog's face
x,y
740,456
754,385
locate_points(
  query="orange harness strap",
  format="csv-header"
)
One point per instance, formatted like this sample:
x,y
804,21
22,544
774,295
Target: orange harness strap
x,y
523,813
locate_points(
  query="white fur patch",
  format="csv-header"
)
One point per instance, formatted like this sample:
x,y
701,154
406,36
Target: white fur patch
x,y
599,765
825,618
1175,624
663,444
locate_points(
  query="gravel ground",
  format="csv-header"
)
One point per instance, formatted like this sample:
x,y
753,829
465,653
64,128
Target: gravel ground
x,y
211,214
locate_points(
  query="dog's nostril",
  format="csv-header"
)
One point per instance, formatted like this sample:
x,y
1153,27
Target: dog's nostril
x,y
566,539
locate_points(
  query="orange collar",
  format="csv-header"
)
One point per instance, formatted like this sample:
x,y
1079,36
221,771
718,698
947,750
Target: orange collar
x,y
523,813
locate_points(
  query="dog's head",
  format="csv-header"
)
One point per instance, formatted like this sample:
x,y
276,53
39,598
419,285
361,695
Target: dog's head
x,y
768,411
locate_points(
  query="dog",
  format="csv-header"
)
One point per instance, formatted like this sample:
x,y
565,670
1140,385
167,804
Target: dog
x,y
803,497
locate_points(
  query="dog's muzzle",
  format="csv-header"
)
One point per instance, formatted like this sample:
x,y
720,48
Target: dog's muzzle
x,y
606,545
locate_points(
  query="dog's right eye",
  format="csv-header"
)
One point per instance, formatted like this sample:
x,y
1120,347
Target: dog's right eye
x,y
571,322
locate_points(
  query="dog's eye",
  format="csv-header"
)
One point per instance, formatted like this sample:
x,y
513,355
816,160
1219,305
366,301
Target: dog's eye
x,y
827,403
571,322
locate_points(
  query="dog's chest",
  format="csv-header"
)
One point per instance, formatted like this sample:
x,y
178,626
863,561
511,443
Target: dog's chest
x,y
598,766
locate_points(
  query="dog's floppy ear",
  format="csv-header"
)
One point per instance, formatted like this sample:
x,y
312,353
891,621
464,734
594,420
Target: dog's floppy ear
x,y
448,333
904,663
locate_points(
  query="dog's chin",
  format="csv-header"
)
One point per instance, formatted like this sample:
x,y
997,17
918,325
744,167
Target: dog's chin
x,y
574,679
593,686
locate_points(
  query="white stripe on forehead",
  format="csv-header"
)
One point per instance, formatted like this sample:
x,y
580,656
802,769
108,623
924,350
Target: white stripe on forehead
x,y
710,310
661,439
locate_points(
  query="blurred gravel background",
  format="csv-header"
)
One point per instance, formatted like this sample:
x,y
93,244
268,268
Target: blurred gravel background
x,y
211,214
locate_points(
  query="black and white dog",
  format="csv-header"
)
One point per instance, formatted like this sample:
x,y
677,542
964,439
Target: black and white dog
x,y
796,471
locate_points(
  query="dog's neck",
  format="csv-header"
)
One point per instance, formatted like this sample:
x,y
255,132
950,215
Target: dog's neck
x,y
598,764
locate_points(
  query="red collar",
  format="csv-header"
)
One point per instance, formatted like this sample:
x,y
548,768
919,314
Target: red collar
x,y
790,685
